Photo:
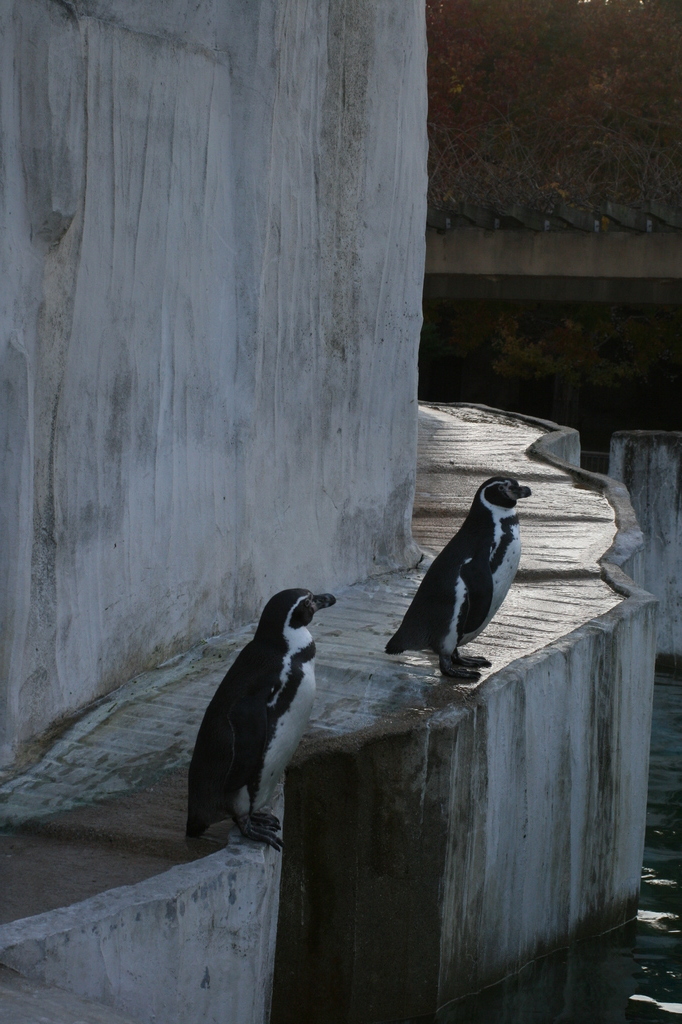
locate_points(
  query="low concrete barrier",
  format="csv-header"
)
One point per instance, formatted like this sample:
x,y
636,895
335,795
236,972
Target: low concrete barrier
x,y
433,854
194,945
649,462
437,837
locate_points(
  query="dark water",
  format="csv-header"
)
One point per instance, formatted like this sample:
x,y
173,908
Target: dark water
x,y
633,974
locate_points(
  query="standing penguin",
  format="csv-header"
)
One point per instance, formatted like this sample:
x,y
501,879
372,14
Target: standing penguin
x,y
254,723
467,582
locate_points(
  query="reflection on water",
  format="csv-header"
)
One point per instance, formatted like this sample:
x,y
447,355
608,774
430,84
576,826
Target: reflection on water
x,y
633,974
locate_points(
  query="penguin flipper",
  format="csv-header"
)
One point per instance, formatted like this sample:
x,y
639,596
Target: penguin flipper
x,y
231,739
227,756
211,761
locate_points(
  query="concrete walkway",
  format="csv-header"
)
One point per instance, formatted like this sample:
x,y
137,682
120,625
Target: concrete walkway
x,y
104,806
438,837
142,735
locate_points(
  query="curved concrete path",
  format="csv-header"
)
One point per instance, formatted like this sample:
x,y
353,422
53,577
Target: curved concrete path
x,y
115,779
149,725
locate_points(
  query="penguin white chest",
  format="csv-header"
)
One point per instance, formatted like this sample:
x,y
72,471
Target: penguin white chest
x,y
290,726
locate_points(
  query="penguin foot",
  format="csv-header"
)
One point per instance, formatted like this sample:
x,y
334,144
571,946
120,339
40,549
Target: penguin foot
x,y
469,662
456,672
250,827
263,818
195,826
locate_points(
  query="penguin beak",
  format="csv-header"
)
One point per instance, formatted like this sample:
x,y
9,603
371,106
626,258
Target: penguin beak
x,y
523,492
323,601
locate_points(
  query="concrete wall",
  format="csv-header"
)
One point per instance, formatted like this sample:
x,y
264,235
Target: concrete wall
x,y
649,462
432,855
194,945
213,222
400,896
612,266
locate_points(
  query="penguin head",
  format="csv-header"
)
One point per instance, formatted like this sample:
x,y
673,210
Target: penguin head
x,y
291,609
503,491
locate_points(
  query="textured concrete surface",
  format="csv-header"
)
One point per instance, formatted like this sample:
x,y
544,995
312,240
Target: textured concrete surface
x,y
649,463
193,945
42,872
213,224
80,853
579,266
23,1002
449,844
420,813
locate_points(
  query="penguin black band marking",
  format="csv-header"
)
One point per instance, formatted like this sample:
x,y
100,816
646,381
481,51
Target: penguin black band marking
x,y
498,553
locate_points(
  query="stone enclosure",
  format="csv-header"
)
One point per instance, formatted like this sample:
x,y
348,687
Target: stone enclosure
x,y
437,837
210,290
213,245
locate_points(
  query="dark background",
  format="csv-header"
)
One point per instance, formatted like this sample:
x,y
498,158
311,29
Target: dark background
x,y
652,402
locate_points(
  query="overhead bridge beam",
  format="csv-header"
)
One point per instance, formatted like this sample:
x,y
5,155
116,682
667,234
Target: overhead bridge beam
x,y
566,266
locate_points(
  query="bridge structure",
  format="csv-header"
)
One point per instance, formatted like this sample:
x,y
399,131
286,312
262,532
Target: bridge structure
x,y
613,255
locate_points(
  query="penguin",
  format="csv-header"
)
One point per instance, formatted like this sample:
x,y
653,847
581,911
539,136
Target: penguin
x,y
467,582
255,720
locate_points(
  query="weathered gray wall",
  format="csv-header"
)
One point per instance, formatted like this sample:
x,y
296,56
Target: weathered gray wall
x,y
213,223
649,463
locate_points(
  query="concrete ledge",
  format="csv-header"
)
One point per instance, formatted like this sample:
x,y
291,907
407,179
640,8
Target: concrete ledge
x,y
194,945
439,851
560,447
621,562
436,836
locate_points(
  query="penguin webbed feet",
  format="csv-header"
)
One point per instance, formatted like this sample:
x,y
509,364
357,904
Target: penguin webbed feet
x,y
469,662
458,667
264,818
262,827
